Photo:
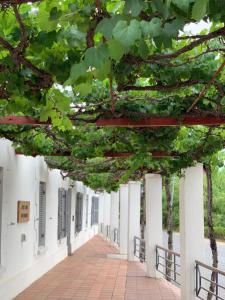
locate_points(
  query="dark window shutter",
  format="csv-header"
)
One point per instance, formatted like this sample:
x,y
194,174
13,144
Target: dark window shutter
x,y
1,195
94,210
60,216
64,227
87,207
68,210
79,212
42,214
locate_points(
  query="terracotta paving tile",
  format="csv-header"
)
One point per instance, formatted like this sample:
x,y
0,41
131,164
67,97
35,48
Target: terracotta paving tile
x,y
89,275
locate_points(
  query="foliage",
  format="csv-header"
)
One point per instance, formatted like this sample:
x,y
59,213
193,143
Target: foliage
x,y
218,178
71,63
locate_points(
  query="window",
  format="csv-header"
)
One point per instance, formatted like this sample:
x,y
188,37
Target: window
x,y
87,211
94,211
42,214
79,212
1,191
62,213
68,210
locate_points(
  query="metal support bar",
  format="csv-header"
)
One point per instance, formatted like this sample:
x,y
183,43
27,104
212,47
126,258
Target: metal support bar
x,y
166,264
215,288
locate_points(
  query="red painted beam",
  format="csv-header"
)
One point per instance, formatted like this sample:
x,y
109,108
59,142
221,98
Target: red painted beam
x,y
66,153
153,153
106,154
21,120
161,121
118,154
125,122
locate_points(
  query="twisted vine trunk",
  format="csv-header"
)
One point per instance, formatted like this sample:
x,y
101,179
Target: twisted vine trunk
x,y
143,212
211,233
169,226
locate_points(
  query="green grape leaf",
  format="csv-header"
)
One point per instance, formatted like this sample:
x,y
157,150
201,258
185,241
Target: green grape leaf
x,y
127,34
21,101
77,71
182,4
45,23
95,57
152,28
104,71
199,9
116,49
143,49
133,7
105,26
172,29
222,102
83,88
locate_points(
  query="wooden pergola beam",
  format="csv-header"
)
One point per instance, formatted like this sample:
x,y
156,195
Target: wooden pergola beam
x,y
126,122
106,154
129,154
21,120
161,121
66,153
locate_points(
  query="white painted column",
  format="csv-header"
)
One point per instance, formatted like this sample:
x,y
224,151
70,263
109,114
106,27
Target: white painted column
x,y
134,206
123,219
154,232
114,217
191,228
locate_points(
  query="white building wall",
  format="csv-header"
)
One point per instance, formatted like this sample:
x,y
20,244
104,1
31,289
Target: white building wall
x,y
22,263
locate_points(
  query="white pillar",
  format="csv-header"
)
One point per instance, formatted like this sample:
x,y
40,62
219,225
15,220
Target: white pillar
x,y
123,218
114,218
134,206
154,232
191,228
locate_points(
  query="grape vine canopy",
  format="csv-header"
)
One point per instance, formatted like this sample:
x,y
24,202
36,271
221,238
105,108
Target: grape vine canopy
x,y
71,63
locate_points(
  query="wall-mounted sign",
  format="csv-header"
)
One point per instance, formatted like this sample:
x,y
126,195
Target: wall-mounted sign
x,y
23,211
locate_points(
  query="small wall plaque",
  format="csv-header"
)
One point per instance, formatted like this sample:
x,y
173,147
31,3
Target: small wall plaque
x,y
23,211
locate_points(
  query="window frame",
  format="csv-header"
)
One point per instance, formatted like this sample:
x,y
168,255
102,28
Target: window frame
x,y
79,212
62,227
94,210
42,206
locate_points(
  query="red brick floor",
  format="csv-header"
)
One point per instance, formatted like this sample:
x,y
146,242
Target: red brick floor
x,y
89,274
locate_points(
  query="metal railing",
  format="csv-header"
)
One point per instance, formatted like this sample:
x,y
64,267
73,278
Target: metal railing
x,y
168,264
108,231
212,286
139,248
116,236
102,228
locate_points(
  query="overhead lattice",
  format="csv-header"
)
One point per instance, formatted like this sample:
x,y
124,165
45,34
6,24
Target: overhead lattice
x,y
74,64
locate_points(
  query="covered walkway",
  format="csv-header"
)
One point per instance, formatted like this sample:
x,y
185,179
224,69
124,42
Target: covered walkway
x,y
89,274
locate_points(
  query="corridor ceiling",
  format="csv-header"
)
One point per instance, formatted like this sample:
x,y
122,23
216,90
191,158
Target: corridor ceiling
x,y
85,78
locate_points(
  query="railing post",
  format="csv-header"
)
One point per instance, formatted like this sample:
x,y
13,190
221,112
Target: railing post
x,y
196,279
175,268
134,245
156,258
217,288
